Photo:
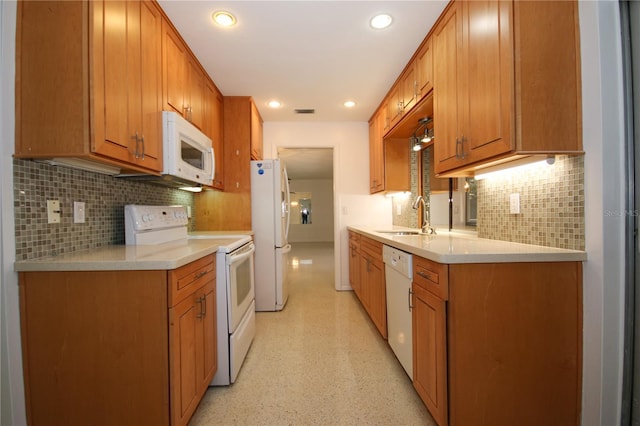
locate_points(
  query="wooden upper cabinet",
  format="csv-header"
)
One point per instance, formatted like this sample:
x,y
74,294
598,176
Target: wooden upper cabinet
x,y
212,127
242,141
194,94
130,131
104,105
376,153
504,88
424,69
447,57
409,85
256,133
174,71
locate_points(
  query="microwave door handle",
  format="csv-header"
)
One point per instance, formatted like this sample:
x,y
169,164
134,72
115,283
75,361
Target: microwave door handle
x,y
213,164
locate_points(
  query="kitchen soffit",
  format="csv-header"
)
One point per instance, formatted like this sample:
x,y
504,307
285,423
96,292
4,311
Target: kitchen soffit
x,y
306,54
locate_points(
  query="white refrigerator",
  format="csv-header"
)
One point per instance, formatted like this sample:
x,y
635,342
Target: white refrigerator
x,y
270,224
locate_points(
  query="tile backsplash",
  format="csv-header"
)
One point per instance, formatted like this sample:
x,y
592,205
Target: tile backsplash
x,y
104,198
551,204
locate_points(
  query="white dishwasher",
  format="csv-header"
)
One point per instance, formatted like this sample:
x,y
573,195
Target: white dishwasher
x,y
398,275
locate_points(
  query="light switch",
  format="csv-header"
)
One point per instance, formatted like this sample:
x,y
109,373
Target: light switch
x,y
78,212
399,209
514,203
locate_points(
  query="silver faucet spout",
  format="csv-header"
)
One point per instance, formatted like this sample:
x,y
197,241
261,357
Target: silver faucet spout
x,y
426,228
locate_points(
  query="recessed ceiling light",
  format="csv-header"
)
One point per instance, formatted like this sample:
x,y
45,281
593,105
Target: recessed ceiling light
x,y
223,18
350,104
381,21
274,104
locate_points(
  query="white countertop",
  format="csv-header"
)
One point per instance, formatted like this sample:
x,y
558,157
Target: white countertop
x,y
463,247
139,258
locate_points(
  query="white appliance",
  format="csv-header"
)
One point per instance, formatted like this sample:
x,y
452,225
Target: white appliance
x,y
235,304
187,152
235,284
188,158
270,223
398,275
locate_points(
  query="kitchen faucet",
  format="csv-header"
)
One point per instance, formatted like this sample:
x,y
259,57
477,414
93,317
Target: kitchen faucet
x,y
426,227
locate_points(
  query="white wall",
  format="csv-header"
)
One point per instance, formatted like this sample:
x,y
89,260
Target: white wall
x,y
352,204
11,383
321,227
603,282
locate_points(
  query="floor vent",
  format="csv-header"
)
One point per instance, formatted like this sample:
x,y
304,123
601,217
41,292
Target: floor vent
x,y
305,111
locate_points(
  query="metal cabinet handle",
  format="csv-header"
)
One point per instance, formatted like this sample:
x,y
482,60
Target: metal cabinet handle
x,y
200,301
143,148
136,153
201,274
204,304
460,148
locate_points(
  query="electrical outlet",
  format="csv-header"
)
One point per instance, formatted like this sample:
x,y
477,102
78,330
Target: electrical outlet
x,y
399,210
53,211
78,212
514,203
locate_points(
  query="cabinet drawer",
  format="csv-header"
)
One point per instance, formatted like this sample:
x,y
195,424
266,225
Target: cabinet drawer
x,y
431,276
184,280
371,247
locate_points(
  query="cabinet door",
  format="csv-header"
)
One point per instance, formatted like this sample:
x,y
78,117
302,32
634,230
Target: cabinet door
x,y
213,107
409,88
206,337
376,155
128,47
194,96
448,88
394,105
365,285
354,264
184,338
151,85
489,74
256,133
118,80
378,296
424,69
430,353
174,60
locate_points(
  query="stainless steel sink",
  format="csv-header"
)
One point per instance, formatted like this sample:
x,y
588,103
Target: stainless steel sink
x,y
399,232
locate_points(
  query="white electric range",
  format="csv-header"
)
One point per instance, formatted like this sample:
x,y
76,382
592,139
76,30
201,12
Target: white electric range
x,y
235,282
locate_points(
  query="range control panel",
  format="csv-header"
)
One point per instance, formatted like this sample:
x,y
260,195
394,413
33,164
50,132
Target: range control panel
x,y
165,223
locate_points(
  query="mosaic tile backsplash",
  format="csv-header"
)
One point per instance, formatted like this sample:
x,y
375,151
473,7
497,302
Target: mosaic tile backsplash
x,y
551,204
104,198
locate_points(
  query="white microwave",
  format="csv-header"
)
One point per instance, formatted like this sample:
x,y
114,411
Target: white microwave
x,y
188,154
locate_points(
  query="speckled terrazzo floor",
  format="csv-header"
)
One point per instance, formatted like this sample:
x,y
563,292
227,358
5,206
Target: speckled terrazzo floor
x,y
320,361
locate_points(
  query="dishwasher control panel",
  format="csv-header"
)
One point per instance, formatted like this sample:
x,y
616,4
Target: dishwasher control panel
x,y
399,260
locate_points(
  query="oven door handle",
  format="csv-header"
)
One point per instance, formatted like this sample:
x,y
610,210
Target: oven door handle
x,y
236,258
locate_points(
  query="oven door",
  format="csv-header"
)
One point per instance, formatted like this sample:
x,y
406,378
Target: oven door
x,y
240,283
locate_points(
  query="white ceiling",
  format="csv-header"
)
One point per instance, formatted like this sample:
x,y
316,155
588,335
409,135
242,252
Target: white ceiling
x,y
306,54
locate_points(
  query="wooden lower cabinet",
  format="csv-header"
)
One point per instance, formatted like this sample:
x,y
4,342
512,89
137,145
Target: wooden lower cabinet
x,y
371,288
192,347
100,347
503,344
354,262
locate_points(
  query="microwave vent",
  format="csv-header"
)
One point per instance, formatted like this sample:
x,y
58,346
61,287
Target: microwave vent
x,y
305,110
